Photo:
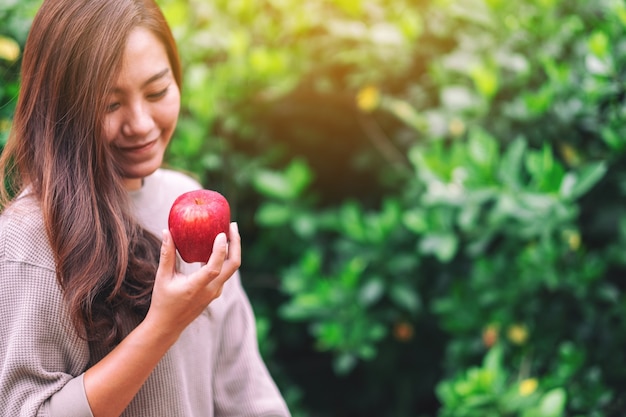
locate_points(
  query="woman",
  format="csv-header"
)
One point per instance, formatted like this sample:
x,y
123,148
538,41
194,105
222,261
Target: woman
x,y
99,318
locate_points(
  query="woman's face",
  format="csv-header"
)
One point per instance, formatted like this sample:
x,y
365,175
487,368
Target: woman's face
x,y
142,109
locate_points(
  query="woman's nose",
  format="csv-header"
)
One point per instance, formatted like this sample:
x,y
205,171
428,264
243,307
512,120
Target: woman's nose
x,y
138,122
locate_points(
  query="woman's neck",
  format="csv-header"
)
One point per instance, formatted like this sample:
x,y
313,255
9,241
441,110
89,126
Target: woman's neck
x,y
133,184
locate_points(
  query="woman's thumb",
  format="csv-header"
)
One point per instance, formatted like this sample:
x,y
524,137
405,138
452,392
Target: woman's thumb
x,y
167,263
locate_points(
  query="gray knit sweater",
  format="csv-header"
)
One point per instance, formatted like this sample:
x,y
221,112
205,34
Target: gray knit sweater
x,y
214,369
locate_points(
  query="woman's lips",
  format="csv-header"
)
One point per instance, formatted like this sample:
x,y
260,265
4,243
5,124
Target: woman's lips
x,y
138,148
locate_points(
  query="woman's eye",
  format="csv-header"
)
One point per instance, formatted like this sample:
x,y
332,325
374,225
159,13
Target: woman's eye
x,y
158,94
112,107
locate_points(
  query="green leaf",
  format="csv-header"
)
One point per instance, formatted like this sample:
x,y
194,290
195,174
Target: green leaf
x,y
344,363
483,148
273,214
299,176
415,221
553,403
612,138
547,173
304,224
493,359
273,184
352,221
442,245
510,169
371,291
599,44
285,185
367,351
458,98
406,298
405,112
352,272
486,80
575,185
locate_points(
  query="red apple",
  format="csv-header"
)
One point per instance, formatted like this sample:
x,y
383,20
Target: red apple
x,y
195,219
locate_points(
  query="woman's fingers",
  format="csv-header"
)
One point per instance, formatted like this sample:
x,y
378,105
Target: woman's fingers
x,y
194,292
224,261
234,247
167,261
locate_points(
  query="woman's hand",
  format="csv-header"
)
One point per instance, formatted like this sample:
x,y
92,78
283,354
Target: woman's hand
x,y
177,300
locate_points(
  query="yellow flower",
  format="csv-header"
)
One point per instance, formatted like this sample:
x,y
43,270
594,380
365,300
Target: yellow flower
x,y
517,334
457,127
573,239
9,49
570,155
368,98
528,386
5,125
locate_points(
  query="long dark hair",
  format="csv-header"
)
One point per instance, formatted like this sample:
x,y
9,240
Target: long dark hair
x,y
106,262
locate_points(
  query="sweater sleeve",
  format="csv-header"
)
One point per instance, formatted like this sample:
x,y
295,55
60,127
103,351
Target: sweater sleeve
x,y
42,359
243,385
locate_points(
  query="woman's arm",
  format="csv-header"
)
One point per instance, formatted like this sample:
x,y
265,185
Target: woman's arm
x,y
177,300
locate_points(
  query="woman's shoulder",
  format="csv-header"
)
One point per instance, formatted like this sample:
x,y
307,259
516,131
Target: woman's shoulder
x,y
22,234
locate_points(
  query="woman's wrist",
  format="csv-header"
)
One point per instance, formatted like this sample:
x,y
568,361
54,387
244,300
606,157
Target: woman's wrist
x,y
156,333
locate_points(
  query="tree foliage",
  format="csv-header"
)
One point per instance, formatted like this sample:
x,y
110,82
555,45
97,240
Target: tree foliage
x,y
431,194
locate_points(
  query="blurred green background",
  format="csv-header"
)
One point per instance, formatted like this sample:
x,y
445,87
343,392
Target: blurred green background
x,y
431,194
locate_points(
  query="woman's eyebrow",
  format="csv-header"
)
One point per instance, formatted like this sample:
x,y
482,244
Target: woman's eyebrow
x,y
152,79
156,76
